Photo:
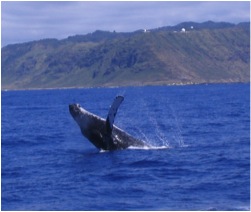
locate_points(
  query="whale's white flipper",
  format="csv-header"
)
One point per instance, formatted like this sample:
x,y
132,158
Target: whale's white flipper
x,y
112,113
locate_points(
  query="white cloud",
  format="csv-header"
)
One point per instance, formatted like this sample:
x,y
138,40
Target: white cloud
x,y
26,21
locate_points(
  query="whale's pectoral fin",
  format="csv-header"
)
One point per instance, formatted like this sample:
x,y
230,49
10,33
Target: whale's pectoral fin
x,y
112,113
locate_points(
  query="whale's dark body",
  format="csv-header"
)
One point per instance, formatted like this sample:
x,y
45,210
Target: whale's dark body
x,y
102,133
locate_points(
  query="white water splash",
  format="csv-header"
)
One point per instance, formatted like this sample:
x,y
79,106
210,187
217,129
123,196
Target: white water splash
x,y
149,147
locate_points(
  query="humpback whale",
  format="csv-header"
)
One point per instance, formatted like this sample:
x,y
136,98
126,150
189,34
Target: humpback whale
x,y
102,133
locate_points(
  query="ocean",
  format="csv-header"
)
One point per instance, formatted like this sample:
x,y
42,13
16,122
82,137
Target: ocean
x,y
199,159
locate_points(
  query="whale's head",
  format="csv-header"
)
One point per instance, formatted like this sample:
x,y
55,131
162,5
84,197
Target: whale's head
x,y
81,116
75,110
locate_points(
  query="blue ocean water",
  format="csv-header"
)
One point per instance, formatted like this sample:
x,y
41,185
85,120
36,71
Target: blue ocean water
x,y
200,159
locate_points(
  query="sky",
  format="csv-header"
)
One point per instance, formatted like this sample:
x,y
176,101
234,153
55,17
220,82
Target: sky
x,y
34,20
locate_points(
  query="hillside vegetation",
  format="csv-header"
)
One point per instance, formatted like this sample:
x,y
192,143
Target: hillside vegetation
x,y
207,53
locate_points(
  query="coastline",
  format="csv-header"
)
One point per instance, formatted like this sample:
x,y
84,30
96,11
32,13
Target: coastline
x,y
128,85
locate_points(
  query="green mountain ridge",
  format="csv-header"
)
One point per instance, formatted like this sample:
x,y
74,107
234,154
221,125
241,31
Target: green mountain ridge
x,y
205,53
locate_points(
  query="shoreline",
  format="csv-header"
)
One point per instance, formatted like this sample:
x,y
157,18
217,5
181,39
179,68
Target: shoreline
x,y
121,86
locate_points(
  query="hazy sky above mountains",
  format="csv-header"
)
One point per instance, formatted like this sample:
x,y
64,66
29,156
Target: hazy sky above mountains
x,y
27,21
